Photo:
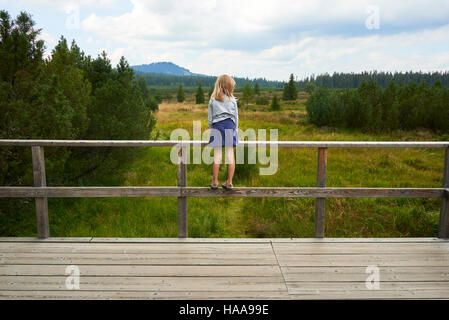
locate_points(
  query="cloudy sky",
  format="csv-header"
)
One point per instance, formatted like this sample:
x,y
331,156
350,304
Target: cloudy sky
x,y
255,38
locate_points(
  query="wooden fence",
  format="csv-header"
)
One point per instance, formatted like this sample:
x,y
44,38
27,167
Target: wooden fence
x,y
41,192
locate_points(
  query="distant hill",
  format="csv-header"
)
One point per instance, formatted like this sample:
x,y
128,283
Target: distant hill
x,y
170,74
165,68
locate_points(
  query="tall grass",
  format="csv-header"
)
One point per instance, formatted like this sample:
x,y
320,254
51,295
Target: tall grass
x,y
256,217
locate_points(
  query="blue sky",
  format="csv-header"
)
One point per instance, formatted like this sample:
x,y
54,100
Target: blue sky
x,y
263,38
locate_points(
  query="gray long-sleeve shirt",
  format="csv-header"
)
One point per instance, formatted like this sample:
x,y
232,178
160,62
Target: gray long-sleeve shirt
x,y
221,110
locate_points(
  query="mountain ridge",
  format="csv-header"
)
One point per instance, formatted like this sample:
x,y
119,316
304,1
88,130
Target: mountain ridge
x,y
165,67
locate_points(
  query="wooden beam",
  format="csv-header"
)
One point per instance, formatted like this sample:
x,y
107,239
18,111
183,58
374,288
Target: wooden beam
x,y
182,200
237,192
320,203
443,229
88,192
187,143
314,192
43,229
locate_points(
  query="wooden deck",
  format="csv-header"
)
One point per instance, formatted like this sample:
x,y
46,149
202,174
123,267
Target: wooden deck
x,y
171,268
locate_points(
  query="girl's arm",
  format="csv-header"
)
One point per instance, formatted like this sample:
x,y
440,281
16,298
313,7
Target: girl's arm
x,y
209,115
236,115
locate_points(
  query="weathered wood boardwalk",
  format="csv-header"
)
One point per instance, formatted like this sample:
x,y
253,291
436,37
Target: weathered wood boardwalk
x,y
189,268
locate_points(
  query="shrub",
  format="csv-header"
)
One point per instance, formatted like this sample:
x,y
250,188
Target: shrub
x,y
262,101
275,105
371,107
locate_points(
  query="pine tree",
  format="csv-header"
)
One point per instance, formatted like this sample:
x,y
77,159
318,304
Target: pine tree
x,y
247,93
293,88
285,92
256,89
181,95
310,86
290,90
275,105
199,96
211,90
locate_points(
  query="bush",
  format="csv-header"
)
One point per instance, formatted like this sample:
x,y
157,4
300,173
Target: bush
x,y
373,108
262,101
275,105
318,106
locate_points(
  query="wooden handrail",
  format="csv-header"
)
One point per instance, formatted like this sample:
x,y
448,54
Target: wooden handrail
x,y
236,192
190,143
41,192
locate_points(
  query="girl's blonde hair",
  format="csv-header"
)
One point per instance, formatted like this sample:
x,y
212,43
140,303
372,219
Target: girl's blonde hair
x,y
223,86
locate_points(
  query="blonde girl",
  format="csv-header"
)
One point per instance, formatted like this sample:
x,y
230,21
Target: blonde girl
x,y
223,121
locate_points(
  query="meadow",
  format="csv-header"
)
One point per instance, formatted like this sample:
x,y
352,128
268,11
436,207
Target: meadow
x,y
258,217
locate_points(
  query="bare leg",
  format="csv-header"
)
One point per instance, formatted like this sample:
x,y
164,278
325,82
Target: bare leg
x,y
231,163
216,164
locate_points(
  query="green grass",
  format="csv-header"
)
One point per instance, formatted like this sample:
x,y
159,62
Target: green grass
x,y
261,217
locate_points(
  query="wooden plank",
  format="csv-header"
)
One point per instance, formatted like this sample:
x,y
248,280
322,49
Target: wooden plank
x,y
406,259
443,229
142,295
360,240
136,248
223,295
146,283
182,200
138,259
348,144
138,240
285,192
290,273
187,240
332,274
359,248
143,271
200,247
370,294
89,143
221,240
314,192
320,203
88,192
41,203
187,143
228,259
297,287
46,240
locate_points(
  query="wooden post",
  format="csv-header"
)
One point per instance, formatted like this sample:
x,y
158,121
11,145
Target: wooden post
x,y
443,231
182,201
43,230
320,203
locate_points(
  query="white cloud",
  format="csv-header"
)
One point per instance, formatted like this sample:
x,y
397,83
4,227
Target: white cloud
x,y
268,38
64,4
49,40
401,52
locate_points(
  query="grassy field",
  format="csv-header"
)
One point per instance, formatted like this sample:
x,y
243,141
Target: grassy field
x,y
270,217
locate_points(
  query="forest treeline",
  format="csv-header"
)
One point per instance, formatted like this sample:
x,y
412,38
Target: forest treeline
x,y
160,79
66,95
383,79
372,107
335,80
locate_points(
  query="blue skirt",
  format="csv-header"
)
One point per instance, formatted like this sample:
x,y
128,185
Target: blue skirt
x,y
223,133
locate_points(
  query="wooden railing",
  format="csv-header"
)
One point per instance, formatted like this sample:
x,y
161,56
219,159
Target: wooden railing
x,y
41,192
